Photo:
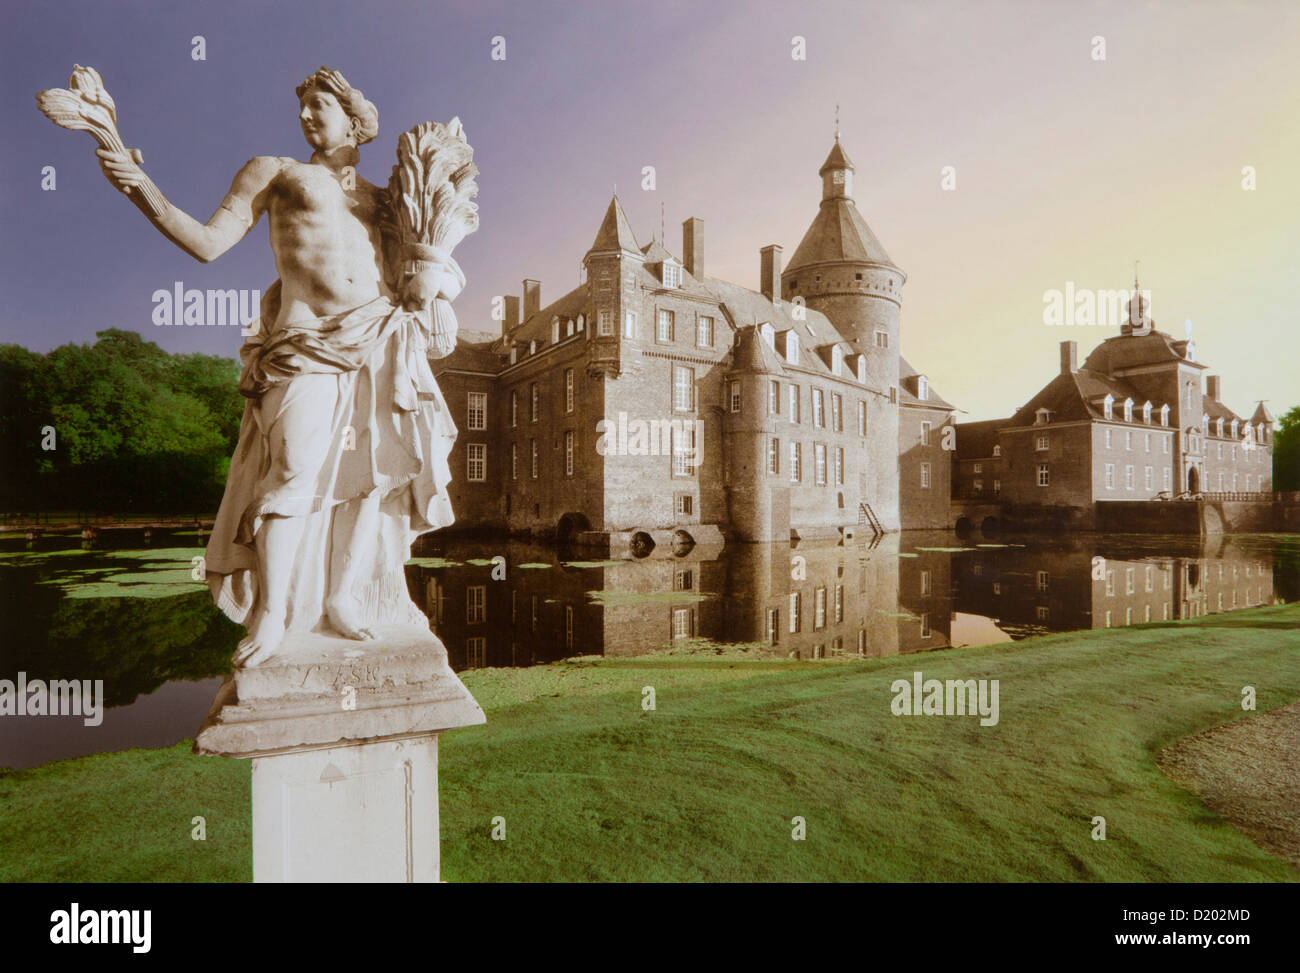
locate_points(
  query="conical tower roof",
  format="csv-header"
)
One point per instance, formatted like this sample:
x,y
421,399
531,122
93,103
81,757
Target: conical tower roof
x,y
615,232
838,234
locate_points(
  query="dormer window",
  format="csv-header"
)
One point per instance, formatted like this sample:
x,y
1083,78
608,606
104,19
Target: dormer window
x,y
862,369
997,451
1219,431
568,328
1146,413
514,354
532,347
922,387
1234,428
1164,415
672,274
768,334
837,360
555,330
792,347
582,322
1042,417
1128,410
1109,406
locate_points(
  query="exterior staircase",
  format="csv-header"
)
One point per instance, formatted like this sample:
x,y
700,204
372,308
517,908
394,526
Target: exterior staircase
x,y
867,517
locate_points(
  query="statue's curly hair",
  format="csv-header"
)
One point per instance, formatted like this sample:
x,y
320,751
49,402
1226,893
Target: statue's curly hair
x,y
364,115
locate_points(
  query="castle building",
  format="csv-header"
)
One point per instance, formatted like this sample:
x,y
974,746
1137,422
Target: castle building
x,y
656,404
1133,422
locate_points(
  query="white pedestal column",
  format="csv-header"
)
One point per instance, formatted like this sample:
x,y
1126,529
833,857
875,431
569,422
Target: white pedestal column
x,y
344,742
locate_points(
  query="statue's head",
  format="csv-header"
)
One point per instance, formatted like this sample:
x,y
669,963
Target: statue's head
x,y
334,113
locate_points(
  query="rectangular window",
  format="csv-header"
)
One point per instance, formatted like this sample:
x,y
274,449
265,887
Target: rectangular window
x,y
774,455
1148,579
1128,477
476,462
629,324
1110,582
819,409
514,408
683,389
862,418
997,486
604,322
735,396
1044,476
1167,478
1108,439
837,421
1148,442
1164,442
774,398
684,506
1128,438
1042,443
533,443
925,477
978,468
1128,581
819,609
664,325
839,603
773,626
704,332
682,628
882,339
477,410
568,390
476,652
795,605
514,461
568,452
795,413
796,464
1043,579
568,626
819,462
925,581
684,450
839,466
1110,476
533,407
1148,480
925,434
925,625
476,604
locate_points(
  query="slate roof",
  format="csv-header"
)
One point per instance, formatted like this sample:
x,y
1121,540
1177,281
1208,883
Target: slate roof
x,y
907,376
615,231
838,233
975,440
1128,350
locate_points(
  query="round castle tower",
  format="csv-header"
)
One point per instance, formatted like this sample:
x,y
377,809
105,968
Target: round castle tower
x,y
841,269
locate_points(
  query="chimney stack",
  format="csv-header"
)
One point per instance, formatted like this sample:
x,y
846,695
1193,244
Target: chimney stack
x,y
693,247
770,274
532,297
1212,387
1069,357
512,315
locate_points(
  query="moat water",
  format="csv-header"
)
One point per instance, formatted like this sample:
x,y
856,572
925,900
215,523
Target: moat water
x,y
134,617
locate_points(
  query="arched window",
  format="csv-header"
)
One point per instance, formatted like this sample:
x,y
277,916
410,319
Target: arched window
x,y
1128,410
1109,406
1146,413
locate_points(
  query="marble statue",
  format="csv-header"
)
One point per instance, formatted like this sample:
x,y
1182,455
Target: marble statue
x,y
342,454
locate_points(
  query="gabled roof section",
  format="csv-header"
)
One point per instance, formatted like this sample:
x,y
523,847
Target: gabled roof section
x,y
975,440
538,326
907,380
655,252
838,234
615,231
1261,414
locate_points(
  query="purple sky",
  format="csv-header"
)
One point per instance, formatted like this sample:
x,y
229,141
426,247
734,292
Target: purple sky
x,y
1068,169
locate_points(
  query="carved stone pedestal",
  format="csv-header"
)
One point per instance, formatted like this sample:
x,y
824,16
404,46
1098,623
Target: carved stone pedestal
x,y
343,736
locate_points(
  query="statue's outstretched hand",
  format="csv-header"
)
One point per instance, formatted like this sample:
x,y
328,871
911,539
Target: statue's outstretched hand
x,y
122,169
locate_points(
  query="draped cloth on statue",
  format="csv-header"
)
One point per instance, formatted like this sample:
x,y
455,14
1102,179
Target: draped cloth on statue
x,y
369,425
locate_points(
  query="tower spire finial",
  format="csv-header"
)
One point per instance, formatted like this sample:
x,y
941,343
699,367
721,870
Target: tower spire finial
x,y
837,121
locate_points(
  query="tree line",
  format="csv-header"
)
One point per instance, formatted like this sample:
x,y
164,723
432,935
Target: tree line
x,y
118,426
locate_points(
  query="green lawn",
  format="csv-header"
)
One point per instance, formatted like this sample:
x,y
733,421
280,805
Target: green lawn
x,y
592,787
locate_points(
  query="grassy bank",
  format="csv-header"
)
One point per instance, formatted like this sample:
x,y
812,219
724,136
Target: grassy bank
x,y
704,787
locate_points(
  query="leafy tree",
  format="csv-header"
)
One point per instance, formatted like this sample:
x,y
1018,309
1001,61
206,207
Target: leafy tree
x,y
1286,451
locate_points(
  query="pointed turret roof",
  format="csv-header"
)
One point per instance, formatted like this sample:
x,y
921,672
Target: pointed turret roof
x,y
615,232
838,158
838,234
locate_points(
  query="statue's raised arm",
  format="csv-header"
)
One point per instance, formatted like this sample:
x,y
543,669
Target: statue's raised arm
x,y
87,106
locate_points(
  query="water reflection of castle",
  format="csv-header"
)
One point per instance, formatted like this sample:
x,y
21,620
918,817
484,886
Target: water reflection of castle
x,y
822,600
